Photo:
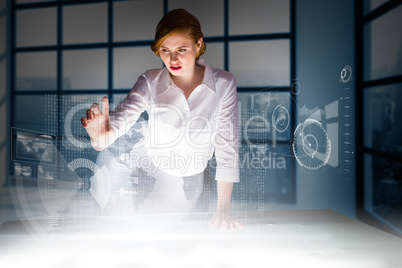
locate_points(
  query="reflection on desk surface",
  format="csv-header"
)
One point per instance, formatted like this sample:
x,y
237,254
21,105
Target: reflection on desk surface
x,y
295,238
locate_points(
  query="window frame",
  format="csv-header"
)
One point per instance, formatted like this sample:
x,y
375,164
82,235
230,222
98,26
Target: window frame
x,y
361,20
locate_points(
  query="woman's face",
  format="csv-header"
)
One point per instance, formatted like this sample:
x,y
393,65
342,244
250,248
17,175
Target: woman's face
x,y
178,52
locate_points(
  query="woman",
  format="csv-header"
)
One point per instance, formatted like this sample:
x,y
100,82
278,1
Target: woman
x,y
192,110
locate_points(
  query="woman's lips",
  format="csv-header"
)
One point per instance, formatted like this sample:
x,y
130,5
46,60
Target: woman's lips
x,y
175,68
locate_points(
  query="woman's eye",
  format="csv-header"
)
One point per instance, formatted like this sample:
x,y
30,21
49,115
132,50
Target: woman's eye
x,y
182,50
165,50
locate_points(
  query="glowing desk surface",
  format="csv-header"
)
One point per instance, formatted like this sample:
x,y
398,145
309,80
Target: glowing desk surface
x,y
299,238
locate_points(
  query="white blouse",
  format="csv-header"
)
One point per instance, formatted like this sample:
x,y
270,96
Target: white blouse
x,y
184,133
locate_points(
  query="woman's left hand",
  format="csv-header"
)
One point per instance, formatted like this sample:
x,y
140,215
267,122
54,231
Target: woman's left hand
x,y
224,219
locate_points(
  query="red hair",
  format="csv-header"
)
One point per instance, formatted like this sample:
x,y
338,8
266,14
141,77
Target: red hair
x,y
178,21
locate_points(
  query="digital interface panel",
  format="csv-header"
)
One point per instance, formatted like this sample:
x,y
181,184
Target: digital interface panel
x,y
32,152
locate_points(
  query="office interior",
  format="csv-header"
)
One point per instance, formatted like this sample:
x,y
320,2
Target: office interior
x,y
328,70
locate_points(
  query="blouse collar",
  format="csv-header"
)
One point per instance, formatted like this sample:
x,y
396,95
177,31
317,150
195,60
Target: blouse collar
x,y
208,80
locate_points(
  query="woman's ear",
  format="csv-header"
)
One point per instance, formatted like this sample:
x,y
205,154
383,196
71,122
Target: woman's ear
x,y
199,44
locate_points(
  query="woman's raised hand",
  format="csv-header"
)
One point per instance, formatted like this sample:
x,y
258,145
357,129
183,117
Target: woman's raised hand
x,y
97,124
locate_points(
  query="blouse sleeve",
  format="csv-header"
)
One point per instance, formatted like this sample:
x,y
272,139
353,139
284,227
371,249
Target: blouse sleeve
x,y
227,141
127,112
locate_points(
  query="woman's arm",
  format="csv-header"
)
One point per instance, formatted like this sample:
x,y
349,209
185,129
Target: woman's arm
x,y
104,128
226,153
224,196
222,215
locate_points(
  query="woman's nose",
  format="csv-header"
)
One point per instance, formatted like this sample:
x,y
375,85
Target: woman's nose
x,y
173,57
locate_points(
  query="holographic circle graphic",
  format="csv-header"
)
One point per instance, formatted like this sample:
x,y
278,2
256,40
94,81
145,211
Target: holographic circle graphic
x,y
296,87
83,163
346,74
311,145
67,126
280,118
100,185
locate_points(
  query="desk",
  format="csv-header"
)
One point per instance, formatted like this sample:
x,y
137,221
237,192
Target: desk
x,y
297,238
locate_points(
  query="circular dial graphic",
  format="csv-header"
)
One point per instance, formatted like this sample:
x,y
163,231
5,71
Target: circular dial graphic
x,y
311,145
346,74
280,118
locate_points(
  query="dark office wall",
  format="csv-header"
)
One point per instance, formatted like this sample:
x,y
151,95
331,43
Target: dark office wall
x,y
325,45
4,91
